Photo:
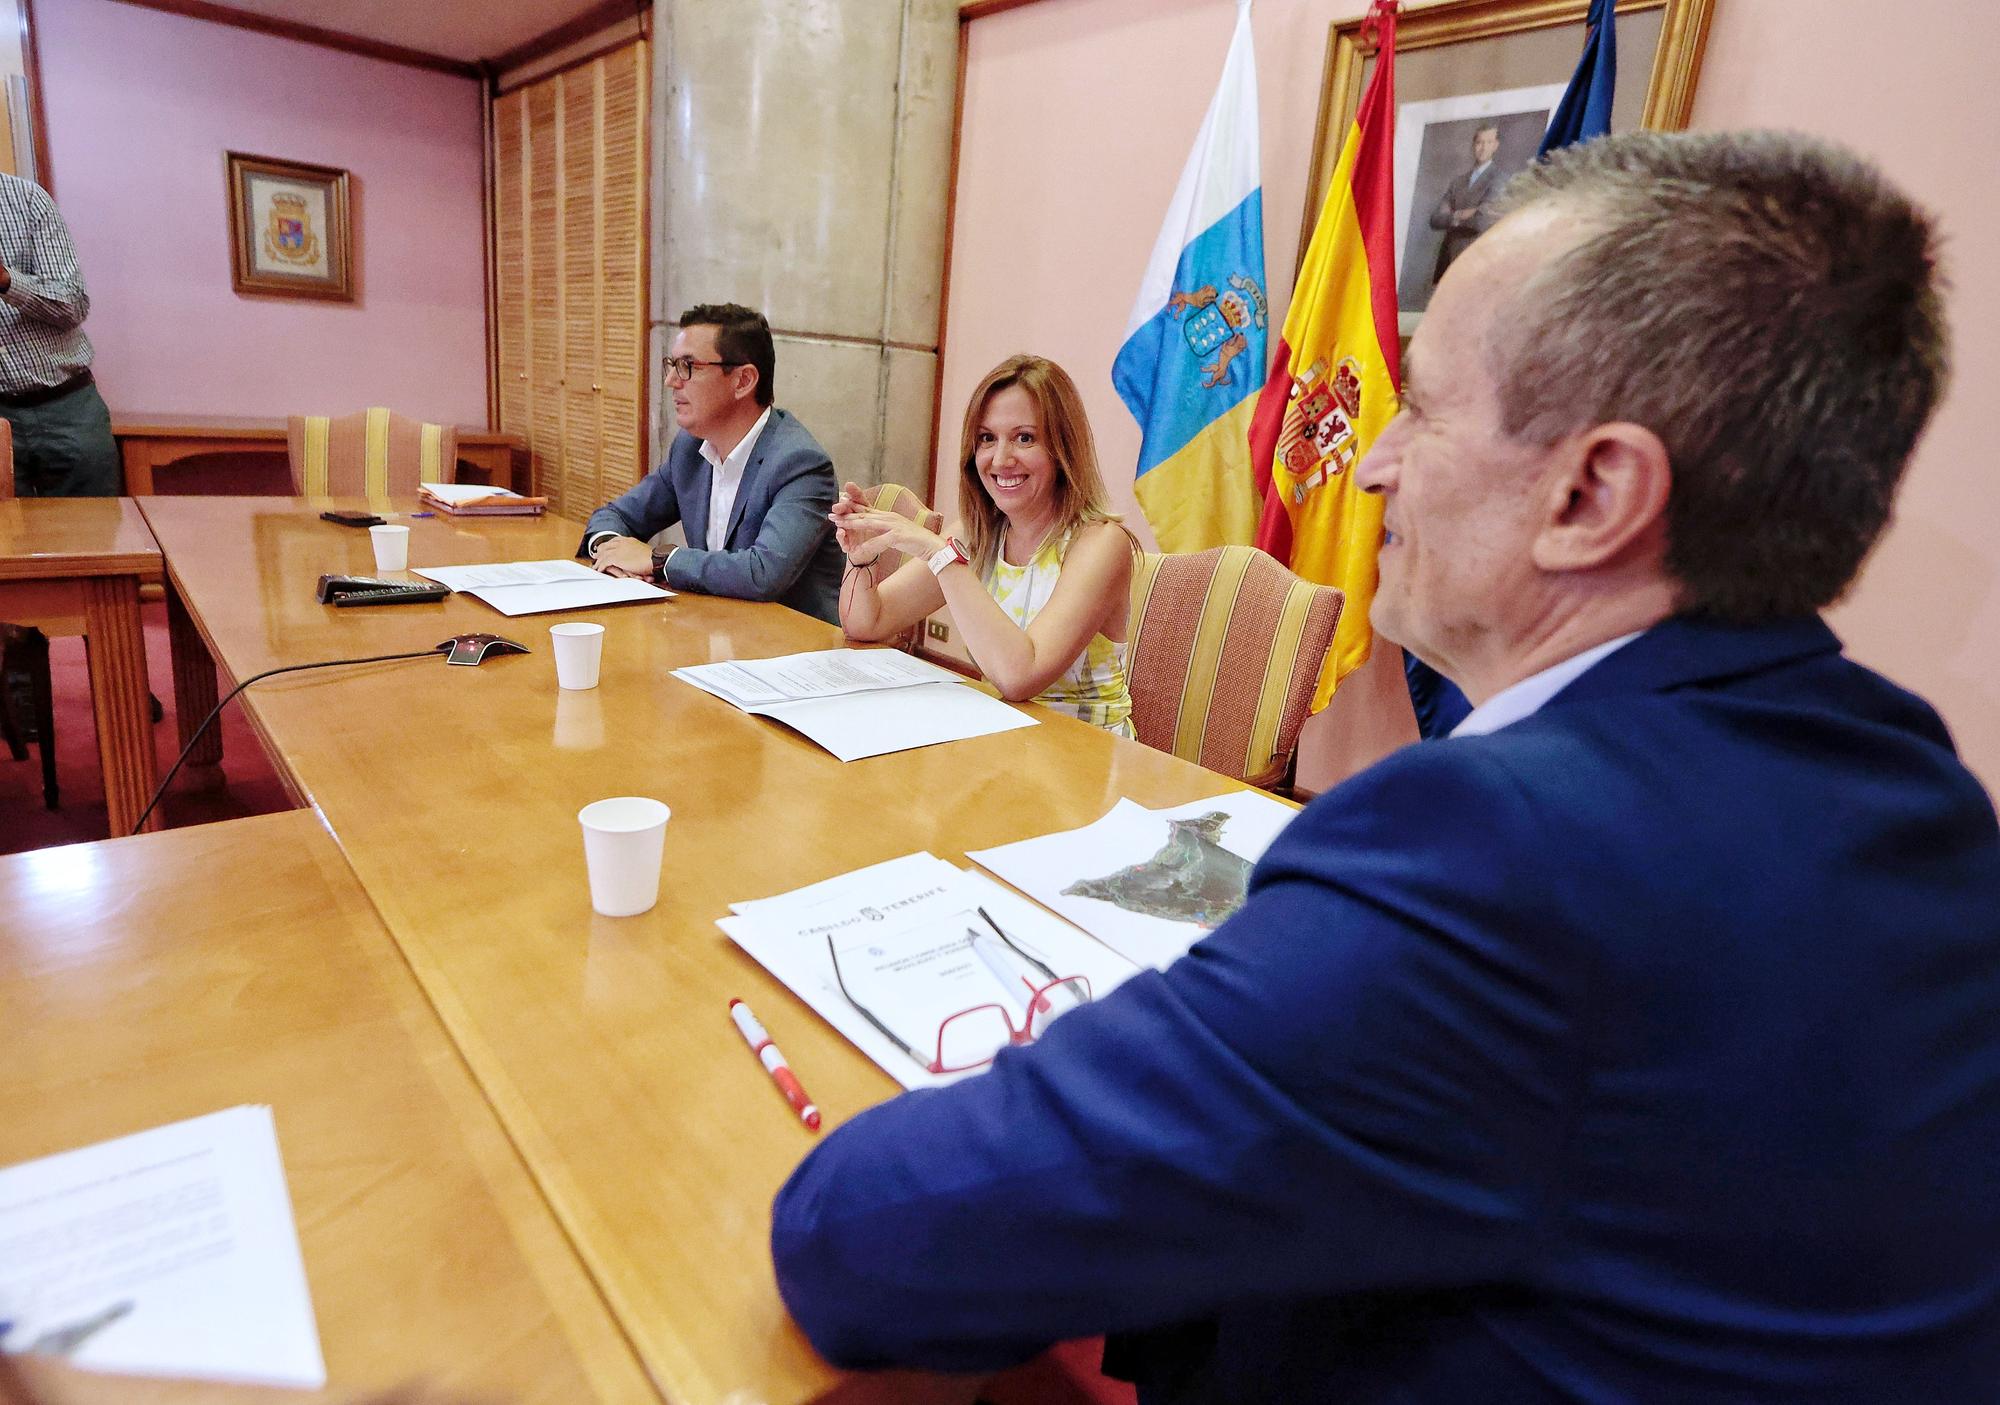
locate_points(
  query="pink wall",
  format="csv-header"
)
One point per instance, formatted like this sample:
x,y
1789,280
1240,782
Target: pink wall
x,y
141,107
1078,114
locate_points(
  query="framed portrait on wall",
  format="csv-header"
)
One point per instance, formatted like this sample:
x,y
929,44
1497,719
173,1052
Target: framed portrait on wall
x,y
1476,84
290,230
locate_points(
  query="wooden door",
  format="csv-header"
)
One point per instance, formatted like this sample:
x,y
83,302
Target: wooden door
x,y
570,201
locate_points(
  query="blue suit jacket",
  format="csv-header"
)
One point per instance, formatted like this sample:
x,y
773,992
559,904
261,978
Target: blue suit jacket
x,y
780,544
1645,1050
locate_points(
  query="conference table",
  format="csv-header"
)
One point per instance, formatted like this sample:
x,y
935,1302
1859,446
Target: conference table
x,y
603,1044
157,978
73,566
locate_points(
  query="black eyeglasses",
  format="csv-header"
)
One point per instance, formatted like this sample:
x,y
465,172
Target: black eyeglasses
x,y
680,368
970,1038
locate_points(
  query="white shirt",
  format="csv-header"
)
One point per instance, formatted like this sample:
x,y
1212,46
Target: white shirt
x,y
1525,698
726,479
1477,172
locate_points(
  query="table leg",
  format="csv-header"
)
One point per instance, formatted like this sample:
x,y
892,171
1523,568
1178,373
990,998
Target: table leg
x,y
116,648
138,463
194,682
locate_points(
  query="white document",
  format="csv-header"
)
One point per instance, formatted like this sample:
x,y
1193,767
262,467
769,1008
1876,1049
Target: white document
x,y
1138,881
465,492
536,587
825,673
858,702
905,931
166,1253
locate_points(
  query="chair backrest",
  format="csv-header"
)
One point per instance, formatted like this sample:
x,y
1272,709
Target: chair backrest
x,y
1226,648
373,452
895,497
6,459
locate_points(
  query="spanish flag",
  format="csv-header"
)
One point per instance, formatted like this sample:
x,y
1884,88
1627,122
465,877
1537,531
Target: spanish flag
x,y
1333,381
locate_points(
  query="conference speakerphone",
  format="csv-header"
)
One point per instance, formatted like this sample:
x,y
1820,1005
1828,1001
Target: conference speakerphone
x,y
370,590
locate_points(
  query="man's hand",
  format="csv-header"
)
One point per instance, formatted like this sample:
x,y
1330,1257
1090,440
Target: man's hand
x,y
624,556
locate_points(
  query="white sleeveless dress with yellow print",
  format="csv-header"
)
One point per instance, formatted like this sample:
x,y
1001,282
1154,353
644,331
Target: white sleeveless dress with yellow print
x,y
1093,688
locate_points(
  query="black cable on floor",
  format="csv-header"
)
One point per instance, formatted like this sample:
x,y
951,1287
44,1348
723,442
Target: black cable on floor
x,y
216,711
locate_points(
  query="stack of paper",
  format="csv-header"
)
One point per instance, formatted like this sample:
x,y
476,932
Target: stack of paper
x,y
904,931
858,702
1147,883
536,587
479,500
165,1253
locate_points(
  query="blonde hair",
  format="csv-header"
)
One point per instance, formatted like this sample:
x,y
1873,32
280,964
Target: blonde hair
x,y
1079,487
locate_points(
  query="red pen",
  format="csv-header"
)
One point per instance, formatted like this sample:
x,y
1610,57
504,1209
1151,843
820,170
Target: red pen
x,y
774,1063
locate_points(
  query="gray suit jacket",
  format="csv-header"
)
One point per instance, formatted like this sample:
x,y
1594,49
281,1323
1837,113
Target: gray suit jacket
x,y
780,544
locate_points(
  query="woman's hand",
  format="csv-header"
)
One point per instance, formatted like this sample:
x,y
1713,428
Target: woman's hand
x,y
865,532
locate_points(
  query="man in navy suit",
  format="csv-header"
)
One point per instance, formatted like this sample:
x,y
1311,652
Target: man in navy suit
x,y
749,483
1640,1041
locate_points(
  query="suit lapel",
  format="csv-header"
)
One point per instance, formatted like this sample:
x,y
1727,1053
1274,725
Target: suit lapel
x,y
694,506
757,454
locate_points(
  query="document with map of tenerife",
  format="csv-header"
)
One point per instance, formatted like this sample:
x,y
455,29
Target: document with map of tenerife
x,y
1147,883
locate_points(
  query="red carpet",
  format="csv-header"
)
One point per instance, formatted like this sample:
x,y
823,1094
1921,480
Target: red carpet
x,y
247,785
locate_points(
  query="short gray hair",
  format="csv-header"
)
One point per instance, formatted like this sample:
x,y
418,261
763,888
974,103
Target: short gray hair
x,y
1771,308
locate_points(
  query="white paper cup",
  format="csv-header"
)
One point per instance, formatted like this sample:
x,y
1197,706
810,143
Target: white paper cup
x,y
392,547
622,842
578,648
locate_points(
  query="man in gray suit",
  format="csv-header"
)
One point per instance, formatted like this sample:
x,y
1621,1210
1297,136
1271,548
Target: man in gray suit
x,y
1466,210
749,483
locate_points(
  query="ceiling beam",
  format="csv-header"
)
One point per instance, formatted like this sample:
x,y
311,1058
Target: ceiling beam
x,y
312,34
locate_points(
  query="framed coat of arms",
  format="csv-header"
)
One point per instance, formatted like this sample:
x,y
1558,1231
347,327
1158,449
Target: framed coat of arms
x,y
290,233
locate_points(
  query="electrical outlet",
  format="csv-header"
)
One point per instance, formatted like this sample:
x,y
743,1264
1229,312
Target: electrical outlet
x,y
940,631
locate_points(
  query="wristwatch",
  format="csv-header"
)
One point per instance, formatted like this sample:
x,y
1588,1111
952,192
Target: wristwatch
x,y
952,550
660,564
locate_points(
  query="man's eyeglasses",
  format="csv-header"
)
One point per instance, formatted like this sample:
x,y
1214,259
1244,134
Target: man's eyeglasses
x,y
970,1038
680,368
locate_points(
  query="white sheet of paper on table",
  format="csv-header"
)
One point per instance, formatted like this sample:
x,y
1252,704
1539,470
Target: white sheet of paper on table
x,y
171,1252
787,935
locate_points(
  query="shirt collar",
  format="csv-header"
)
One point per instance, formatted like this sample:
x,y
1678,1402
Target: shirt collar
x,y
1526,697
738,456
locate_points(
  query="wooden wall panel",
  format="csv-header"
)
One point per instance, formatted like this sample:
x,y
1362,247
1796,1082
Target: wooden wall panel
x,y
572,240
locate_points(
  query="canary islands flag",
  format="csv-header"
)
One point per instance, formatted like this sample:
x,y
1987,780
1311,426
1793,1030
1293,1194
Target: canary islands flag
x,y
1194,348
1333,383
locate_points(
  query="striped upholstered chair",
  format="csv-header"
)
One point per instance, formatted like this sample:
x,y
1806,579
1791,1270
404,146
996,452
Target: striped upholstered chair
x,y
375,453
894,497
1226,647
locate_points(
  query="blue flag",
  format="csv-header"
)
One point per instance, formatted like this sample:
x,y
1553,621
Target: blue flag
x,y
1585,110
1583,113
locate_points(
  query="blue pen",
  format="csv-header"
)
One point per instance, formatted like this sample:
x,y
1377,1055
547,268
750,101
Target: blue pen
x,y
423,514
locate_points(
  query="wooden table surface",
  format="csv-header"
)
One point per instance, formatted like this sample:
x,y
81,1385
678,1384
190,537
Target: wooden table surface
x,y
131,996
604,1042
72,566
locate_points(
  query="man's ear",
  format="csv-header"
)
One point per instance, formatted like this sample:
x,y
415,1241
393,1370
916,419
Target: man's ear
x,y
1607,504
746,382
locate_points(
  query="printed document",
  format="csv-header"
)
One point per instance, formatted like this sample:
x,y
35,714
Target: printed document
x,y
1147,883
465,492
166,1253
915,952
536,587
858,702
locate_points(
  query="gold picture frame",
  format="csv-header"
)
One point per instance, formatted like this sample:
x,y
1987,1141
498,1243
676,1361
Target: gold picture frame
x,y
290,229
1465,57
